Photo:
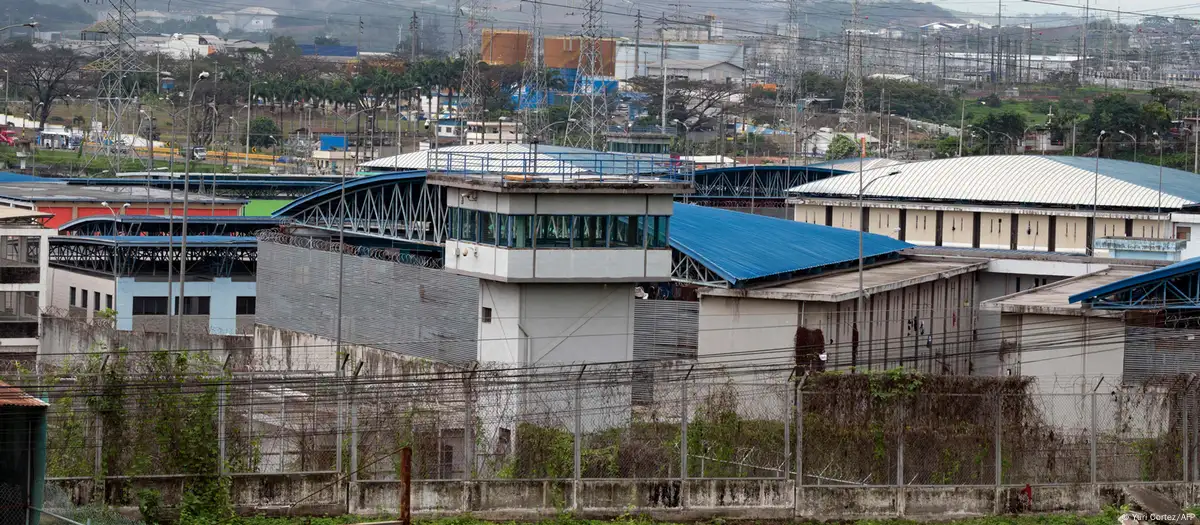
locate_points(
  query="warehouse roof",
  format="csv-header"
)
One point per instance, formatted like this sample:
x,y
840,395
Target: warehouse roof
x,y
742,248
1058,298
1133,281
843,286
160,241
60,192
851,164
1020,179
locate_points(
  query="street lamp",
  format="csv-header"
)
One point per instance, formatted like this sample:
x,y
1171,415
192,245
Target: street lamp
x,y
1158,142
536,138
989,137
30,24
687,134
862,188
187,177
1132,138
1091,248
116,221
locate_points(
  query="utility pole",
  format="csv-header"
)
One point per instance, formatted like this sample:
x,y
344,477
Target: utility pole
x,y
637,43
414,25
662,67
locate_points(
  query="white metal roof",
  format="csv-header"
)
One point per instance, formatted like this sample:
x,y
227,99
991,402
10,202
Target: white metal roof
x,y
1019,179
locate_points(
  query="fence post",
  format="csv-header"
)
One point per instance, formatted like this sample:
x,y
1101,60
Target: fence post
x,y
999,441
221,426
406,481
799,415
469,427
787,434
900,484
1184,429
354,424
683,443
1092,438
578,442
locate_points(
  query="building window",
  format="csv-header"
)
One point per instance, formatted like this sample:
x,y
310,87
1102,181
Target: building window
x,y
522,231
554,231
1183,233
656,235
108,301
149,306
96,301
73,292
591,231
487,227
467,227
485,314
246,305
627,231
83,299
194,305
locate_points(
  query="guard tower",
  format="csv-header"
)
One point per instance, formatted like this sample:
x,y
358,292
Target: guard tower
x,y
559,238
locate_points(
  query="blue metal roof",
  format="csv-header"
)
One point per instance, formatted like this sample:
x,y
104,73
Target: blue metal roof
x,y
1161,274
742,247
197,219
373,180
242,241
8,176
1182,184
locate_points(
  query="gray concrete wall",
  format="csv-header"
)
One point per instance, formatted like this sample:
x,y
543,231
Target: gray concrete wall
x,y
410,310
669,499
68,338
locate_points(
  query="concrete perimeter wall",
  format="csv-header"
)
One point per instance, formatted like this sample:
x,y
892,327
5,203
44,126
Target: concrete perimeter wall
x,y
322,493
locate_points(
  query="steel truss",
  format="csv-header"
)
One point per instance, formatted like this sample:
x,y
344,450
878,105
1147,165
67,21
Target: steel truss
x,y
685,269
410,211
765,183
223,261
1181,292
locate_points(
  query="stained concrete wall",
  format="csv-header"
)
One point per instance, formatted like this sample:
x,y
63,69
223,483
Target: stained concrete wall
x,y
669,499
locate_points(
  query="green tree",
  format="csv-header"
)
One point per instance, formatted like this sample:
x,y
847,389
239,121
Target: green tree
x,y
841,147
264,132
1005,127
1112,113
325,40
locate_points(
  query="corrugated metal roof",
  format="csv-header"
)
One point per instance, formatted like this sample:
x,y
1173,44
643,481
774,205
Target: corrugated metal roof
x,y
236,241
1020,179
851,165
11,396
741,247
1166,272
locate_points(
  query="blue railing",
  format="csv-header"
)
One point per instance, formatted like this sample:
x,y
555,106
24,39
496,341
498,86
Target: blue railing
x,y
521,166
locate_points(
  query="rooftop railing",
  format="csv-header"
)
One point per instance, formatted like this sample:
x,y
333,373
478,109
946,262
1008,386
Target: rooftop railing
x,y
562,167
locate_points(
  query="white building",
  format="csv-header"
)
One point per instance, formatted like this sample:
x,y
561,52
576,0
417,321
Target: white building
x,y
24,280
633,60
706,70
1017,202
494,132
254,19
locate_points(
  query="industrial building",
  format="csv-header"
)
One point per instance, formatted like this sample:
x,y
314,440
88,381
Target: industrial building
x,y
1016,202
119,263
509,48
1122,324
66,202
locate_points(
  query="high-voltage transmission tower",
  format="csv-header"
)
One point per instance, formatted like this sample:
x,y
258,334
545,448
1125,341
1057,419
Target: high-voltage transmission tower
x,y
852,107
119,68
588,116
473,89
790,98
533,79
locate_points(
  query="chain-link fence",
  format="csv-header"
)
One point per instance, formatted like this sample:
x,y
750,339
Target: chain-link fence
x,y
652,422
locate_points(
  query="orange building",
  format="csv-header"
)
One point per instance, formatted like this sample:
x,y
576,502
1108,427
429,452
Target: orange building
x,y
507,48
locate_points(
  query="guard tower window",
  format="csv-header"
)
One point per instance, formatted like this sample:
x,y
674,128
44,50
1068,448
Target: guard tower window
x,y
485,314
